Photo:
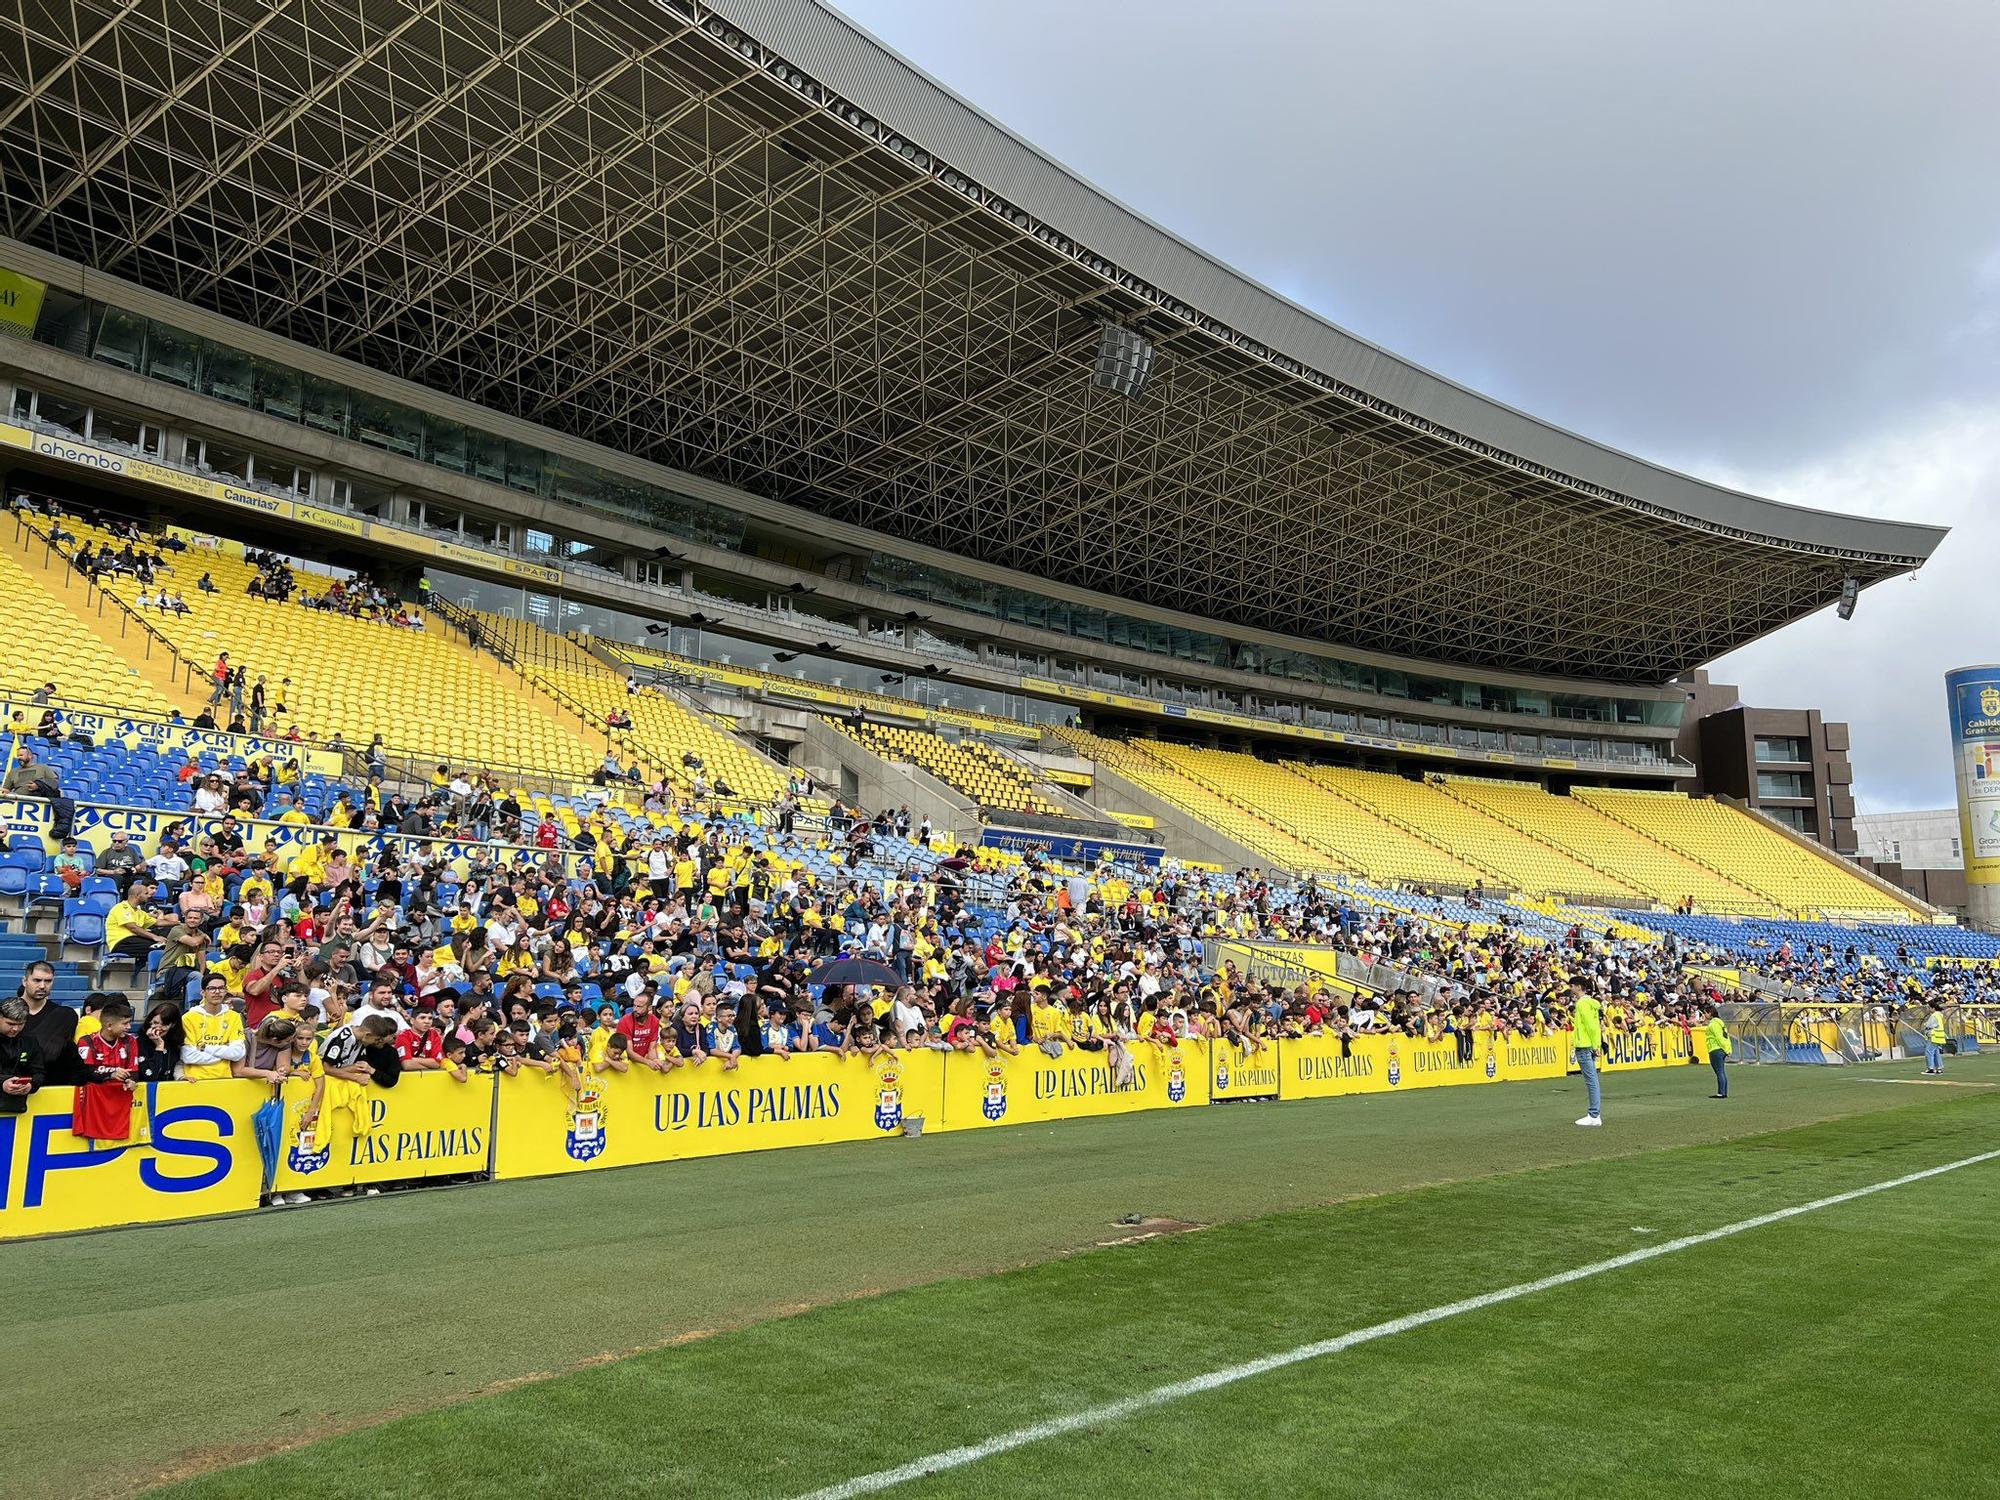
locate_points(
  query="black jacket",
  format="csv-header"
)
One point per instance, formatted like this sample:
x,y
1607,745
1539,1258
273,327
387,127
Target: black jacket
x,y
19,1058
52,1034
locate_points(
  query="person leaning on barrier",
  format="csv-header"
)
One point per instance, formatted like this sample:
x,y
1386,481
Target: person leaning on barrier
x,y
28,777
21,1071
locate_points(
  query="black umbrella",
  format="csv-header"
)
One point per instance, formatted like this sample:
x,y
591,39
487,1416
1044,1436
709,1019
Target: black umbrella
x,y
854,971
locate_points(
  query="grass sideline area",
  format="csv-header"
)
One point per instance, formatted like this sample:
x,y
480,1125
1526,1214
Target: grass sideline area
x,y
654,1256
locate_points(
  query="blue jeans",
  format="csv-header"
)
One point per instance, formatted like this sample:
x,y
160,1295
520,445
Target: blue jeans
x,y
1934,1056
1720,1062
1586,1059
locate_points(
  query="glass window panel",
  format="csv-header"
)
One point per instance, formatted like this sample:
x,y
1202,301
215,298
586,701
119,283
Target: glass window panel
x,y
227,375
280,392
121,339
445,445
171,356
326,406
387,425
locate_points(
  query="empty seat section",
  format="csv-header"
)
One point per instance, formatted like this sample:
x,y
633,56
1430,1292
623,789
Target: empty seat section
x,y
664,730
1513,858
980,772
425,692
1643,863
1204,805
1749,850
44,642
1352,834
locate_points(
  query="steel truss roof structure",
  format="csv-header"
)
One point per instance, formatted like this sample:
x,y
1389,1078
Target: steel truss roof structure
x,y
814,274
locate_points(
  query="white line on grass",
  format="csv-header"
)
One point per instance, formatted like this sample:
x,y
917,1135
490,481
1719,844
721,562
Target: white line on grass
x,y
1927,1083
1097,1416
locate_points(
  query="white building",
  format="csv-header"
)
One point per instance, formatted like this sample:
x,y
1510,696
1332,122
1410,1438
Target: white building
x,y
1914,840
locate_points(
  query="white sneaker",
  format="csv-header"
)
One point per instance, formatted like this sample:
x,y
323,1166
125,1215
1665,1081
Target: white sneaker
x,y
1591,1120
297,1198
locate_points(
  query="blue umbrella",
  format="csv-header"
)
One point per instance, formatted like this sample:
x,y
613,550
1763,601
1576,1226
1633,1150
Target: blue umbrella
x,y
854,970
269,1125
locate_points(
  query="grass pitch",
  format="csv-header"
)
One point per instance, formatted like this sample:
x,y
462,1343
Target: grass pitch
x,y
1832,1354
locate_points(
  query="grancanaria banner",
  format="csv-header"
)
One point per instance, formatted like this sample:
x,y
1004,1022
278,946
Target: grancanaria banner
x,y
194,1153
1030,1086
544,1125
1238,1074
428,1125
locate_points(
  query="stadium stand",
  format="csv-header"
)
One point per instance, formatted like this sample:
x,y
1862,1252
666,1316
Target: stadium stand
x,y
1794,878
45,642
991,779
1344,832
664,730
427,693
1574,827
1512,859
1133,760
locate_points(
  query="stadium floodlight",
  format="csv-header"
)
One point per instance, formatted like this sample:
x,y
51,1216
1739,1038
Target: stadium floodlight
x,y
1850,593
1124,361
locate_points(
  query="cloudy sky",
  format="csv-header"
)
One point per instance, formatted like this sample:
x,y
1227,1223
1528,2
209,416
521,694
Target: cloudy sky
x,y
1759,242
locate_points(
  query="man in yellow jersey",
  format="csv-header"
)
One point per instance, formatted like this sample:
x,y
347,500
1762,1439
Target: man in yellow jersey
x,y
214,1039
1717,1036
1587,1035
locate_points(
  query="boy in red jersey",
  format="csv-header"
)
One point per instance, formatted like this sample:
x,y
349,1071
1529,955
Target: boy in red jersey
x,y
422,1046
103,1107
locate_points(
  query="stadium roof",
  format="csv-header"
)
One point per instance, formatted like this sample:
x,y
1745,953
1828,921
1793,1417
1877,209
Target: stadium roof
x,y
748,241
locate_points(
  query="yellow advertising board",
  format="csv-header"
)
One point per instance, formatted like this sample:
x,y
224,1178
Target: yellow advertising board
x,y
1030,1086
1650,1047
1238,1074
20,302
200,1157
544,1126
1524,1057
428,1125
1317,1068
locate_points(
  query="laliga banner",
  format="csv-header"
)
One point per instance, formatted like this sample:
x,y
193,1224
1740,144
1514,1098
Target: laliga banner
x,y
1029,1087
544,1126
1236,1074
428,1125
1648,1047
200,1157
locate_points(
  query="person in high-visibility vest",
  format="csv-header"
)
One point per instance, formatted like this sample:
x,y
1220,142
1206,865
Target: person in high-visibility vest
x,y
1717,1036
1586,1036
1934,1040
